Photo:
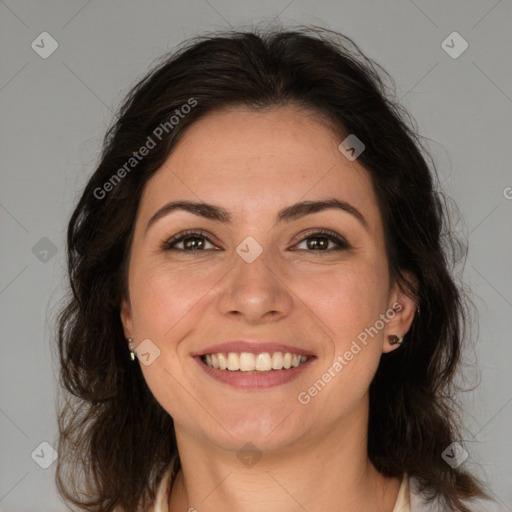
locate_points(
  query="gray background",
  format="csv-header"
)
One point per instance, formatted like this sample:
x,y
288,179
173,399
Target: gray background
x,y
54,113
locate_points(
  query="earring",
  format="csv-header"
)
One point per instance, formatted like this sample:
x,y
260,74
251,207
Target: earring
x,y
393,340
132,350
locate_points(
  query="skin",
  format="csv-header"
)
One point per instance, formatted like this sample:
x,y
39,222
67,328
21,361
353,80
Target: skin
x,y
253,164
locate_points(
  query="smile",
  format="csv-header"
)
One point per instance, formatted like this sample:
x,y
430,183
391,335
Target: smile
x,y
250,362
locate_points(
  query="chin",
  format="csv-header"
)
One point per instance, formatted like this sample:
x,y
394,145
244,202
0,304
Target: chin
x,y
272,431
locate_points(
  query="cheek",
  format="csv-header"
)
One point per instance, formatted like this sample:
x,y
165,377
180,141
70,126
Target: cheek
x,y
165,307
348,300
361,298
164,298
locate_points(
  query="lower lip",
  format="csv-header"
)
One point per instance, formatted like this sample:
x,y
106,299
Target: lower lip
x,y
254,381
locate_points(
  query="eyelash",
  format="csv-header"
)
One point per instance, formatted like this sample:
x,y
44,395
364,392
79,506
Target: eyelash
x,y
169,245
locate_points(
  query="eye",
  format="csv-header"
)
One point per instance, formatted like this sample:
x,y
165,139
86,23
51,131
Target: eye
x,y
322,241
190,241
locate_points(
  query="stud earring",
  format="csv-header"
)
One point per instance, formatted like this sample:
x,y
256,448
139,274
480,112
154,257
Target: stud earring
x,y
132,350
393,340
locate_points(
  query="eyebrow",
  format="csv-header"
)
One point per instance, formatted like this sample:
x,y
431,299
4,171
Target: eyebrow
x,y
288,214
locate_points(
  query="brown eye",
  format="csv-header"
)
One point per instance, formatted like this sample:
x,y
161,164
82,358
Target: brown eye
x,y
318,243
323,241
189,242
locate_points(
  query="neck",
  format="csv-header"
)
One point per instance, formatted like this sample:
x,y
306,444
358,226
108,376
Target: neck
x,y
329,472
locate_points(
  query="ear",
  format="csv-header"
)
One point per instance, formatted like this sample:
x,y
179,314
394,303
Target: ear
x,y
127,318
401,310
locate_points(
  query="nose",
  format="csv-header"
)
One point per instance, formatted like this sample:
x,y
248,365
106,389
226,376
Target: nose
x,y
255,292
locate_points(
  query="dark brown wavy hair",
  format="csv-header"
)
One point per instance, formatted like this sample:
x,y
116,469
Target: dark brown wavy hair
x,y
115,440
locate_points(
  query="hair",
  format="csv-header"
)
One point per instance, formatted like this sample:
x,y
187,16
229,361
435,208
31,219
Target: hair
x,y
112,431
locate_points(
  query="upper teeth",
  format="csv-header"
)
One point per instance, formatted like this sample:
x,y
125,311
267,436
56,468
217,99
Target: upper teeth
x,y
249,362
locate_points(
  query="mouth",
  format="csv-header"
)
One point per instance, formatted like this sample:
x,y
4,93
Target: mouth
x,y
255,364
248,362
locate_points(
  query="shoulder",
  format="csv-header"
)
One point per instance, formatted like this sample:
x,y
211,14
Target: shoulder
x,y
419,502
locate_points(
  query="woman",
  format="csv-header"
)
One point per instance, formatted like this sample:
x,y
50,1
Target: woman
x,y
262,314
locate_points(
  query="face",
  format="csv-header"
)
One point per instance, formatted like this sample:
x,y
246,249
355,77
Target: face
x,y
258,274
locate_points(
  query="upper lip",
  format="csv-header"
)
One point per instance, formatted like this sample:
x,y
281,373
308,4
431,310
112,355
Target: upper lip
x,y
255,347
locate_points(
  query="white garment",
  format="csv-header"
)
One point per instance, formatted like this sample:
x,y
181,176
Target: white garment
x,y
408,498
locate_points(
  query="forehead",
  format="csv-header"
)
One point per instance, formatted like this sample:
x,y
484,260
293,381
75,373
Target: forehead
x,y
254,162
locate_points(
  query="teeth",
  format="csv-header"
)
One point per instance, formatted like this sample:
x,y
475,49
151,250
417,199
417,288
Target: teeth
x,y
233,362
223,362
277,361
249,362
263,362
